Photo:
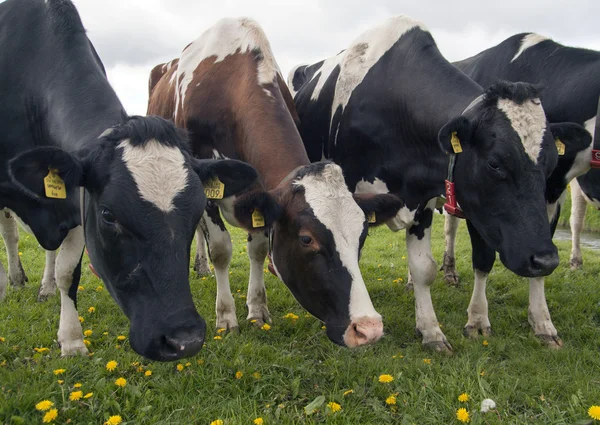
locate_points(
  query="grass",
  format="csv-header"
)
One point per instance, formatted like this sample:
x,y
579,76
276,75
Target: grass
x,y
592,217
293,365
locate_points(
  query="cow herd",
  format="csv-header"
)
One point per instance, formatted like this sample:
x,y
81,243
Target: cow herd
x,y
384,132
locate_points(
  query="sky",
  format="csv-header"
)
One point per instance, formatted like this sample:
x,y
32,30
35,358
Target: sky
x,y
132,36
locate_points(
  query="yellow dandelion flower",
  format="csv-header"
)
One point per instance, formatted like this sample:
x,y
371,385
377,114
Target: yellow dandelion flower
x,y
463,398
99,288
390,400
2,339
265,327
335,407
104,333
463,415
485,343
86,342
203,277
77,385
88,395
88,332
75,395
81,319
60,382
217,337
140,369
348,392
80,288
427,361
50,416
41,350
482,373
121,338
258,421
594,412
256,375
200,361
44,405
253,321
217,422
221,330
148,373
188,364
179,367
92,310
291,316
379,278
121,382
239,374
114,420
111,365
386,379
59,371
323,327
20,253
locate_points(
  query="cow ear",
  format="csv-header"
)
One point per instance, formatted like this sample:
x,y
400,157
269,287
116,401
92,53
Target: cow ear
x,y
235,176
256,210
31,172
570,139
455,134
378,208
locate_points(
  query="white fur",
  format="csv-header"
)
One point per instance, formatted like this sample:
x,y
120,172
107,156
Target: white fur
x,y
478,306
333,206
10,234
450,229
323,74
159,172
528,41
48,285
539,315
529,121
578,207
3,281
257,294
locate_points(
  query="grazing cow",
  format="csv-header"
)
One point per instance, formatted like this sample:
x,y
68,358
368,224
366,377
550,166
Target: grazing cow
x,y
390,108
64,129
571,80
227,91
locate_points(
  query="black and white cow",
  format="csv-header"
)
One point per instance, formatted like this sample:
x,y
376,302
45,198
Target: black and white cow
x,y
388,110
64,129
571,80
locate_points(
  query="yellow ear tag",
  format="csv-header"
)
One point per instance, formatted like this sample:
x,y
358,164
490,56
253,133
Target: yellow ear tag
x,y
456,147
371,218
560,147
258,219
214,188
54,185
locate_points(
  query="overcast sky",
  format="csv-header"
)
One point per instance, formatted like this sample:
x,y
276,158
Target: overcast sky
x,y
132,36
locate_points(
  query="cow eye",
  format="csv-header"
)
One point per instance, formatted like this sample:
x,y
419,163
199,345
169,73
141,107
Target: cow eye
x,y
107,216
494,165
306,240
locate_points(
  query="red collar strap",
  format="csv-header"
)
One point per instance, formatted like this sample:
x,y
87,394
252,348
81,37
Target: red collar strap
x,y
451,206
595,163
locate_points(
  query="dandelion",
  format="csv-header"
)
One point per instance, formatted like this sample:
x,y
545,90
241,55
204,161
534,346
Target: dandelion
x,y
60,382
594,412
348,392
463,398
44,405
59,371
92,310
482,373
179,367
121,382
88,332
265,327
88,395
427,361
188,364
463,415
200,361
75,395
80,288
104,333
50,416
335,407
99,288
238,375
221,330
114,420
217,337
41,350
487,405
140,369
2,339
323,327
391,400
379,278
258,421
485,343
291,316
111,365
386,379
77,385
20,253
217,422
256,375
121,338
148,373
86,342
81,319
397,356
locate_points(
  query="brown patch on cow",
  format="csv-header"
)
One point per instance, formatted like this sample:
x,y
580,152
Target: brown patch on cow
x,y
162,91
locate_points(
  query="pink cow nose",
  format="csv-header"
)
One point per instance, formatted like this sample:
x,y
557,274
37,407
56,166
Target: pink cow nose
x,y
363,331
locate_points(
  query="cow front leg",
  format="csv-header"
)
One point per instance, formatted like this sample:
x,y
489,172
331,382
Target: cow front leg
x,y
201,265
10,234
539,315
449,265
48,285
423,269
483,258
578,209
68,273
220,252
258,313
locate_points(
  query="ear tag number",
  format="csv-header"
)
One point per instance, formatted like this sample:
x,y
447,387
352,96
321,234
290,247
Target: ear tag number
x,y
560,147
258,219
54,185
214,188
455,142
371,218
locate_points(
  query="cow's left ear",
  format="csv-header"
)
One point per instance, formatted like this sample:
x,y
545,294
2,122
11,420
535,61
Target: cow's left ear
x,y
256,210
570,139
455,134
235,176
35,172
378,208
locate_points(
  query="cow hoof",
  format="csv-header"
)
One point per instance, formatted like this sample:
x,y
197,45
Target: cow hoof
x,y
20,279
441,347
576,263
475,332
451,279
553,342
231,330
258,315
73,348
43,297
449,269
227,324
201,266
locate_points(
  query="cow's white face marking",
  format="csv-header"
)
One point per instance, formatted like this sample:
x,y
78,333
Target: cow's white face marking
x,y
405,216
333,206
227,37
528,41
158,171
529,121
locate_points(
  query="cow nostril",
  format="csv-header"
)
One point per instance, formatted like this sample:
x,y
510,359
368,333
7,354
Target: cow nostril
x,y
360,335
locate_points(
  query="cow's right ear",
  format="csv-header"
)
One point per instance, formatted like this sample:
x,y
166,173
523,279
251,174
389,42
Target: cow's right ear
x,y
29,170
455,134
236,176
256,210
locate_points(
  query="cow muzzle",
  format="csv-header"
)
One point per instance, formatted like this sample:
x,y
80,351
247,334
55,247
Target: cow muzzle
x,y
363,331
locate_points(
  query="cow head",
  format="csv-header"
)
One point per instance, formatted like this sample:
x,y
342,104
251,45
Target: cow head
x,y
508,152
318,232
144,199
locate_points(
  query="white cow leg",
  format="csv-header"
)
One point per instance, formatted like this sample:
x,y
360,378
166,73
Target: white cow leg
x,y
220,251
539,315
48,285
201,265
68,272
479,321
449,265
578,209
10,234
3,281
258,246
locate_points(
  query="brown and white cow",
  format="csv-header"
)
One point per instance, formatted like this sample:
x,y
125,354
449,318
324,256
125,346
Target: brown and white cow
x,y
227,91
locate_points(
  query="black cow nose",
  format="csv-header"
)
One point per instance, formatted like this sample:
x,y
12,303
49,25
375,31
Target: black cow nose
x,y
543,264
182,344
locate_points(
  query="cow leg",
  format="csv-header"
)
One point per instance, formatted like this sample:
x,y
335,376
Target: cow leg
x,y
201,265
258,246
48,285
578,208
3,281
483,258
68,273
423,269
539,315
220,252
10,234
449,266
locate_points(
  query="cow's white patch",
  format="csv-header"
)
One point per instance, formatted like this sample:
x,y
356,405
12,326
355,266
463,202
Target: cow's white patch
x,y
218,155
323,74
227,37
590,126
539,315
158,171
528,41
48,284
332,204
10,234
529,121
478,306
